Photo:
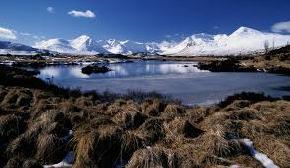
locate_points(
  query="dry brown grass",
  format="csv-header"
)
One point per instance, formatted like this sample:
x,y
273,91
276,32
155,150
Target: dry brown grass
x,y
50,148
154,133
274,149
16,98
31,163
181,128
10,127
153,157
101,147
152,129
173,110
153,107
84,149
129,119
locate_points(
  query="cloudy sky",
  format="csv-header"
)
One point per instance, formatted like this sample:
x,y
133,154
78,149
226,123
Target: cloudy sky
x,y
28,21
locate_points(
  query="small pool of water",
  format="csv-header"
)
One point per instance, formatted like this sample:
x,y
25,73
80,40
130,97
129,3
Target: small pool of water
x,y
179,80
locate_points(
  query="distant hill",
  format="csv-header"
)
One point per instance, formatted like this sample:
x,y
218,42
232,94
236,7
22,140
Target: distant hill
x,y
7,47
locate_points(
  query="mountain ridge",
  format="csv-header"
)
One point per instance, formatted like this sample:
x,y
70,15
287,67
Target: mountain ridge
x,y
244,40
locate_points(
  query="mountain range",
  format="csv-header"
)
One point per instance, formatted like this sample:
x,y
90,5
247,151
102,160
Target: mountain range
x,y
7,47
242,41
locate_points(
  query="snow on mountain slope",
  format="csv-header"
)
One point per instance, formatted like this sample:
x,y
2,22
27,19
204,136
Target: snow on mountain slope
x,y
57,45
114,46
134,47
244,40
85,44
7,47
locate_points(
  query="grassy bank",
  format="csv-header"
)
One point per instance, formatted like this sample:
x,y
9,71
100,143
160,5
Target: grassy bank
x,y
275,61
40,123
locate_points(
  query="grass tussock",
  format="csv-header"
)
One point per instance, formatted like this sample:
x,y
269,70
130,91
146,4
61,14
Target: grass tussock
x,y
50,148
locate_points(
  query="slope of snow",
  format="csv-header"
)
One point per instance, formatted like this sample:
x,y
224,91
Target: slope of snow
x,y
134,47
57,45
85,44
114,46
7,47
242,41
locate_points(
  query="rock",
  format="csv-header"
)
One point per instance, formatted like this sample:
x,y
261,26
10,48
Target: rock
x,y
95,69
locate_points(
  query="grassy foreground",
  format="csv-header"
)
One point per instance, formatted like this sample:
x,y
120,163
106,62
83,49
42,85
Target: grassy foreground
x,y
137,130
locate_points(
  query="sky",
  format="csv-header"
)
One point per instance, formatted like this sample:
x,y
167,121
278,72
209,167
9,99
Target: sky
x,y
138,20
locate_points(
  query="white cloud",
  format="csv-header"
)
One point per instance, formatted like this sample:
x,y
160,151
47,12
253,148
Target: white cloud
x,y
50,9
281,27
25,34
7,34
86,14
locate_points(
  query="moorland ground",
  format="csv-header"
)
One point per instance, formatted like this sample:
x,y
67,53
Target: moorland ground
x,y
40,123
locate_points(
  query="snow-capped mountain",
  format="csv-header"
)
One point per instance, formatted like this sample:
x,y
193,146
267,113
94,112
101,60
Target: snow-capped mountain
x,y
125,47
114,46
244,40
7,47
85,44
57,45
80,45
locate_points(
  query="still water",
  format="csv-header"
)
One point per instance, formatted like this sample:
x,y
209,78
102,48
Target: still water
x,y
178,80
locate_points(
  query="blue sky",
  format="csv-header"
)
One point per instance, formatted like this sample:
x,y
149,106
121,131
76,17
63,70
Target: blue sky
x,y
139,20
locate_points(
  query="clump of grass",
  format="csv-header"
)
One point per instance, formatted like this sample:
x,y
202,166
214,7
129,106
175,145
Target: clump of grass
x,y
50,148
153,157
153,107
84,150
180,127
173,110
130,119
238,104
245,114
10,127
215,144
69,106
14,162
23,146
132,140
100,147
153,130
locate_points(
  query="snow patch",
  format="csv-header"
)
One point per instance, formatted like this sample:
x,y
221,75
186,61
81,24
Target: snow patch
x,y
262,158
67,162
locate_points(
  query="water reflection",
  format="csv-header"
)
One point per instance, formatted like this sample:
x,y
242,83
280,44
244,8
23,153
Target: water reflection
x,y
179,80
50,72
181,69
77,72
141,68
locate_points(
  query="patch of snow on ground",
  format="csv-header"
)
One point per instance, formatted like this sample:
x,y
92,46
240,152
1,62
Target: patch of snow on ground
x,y
67,162
262,158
